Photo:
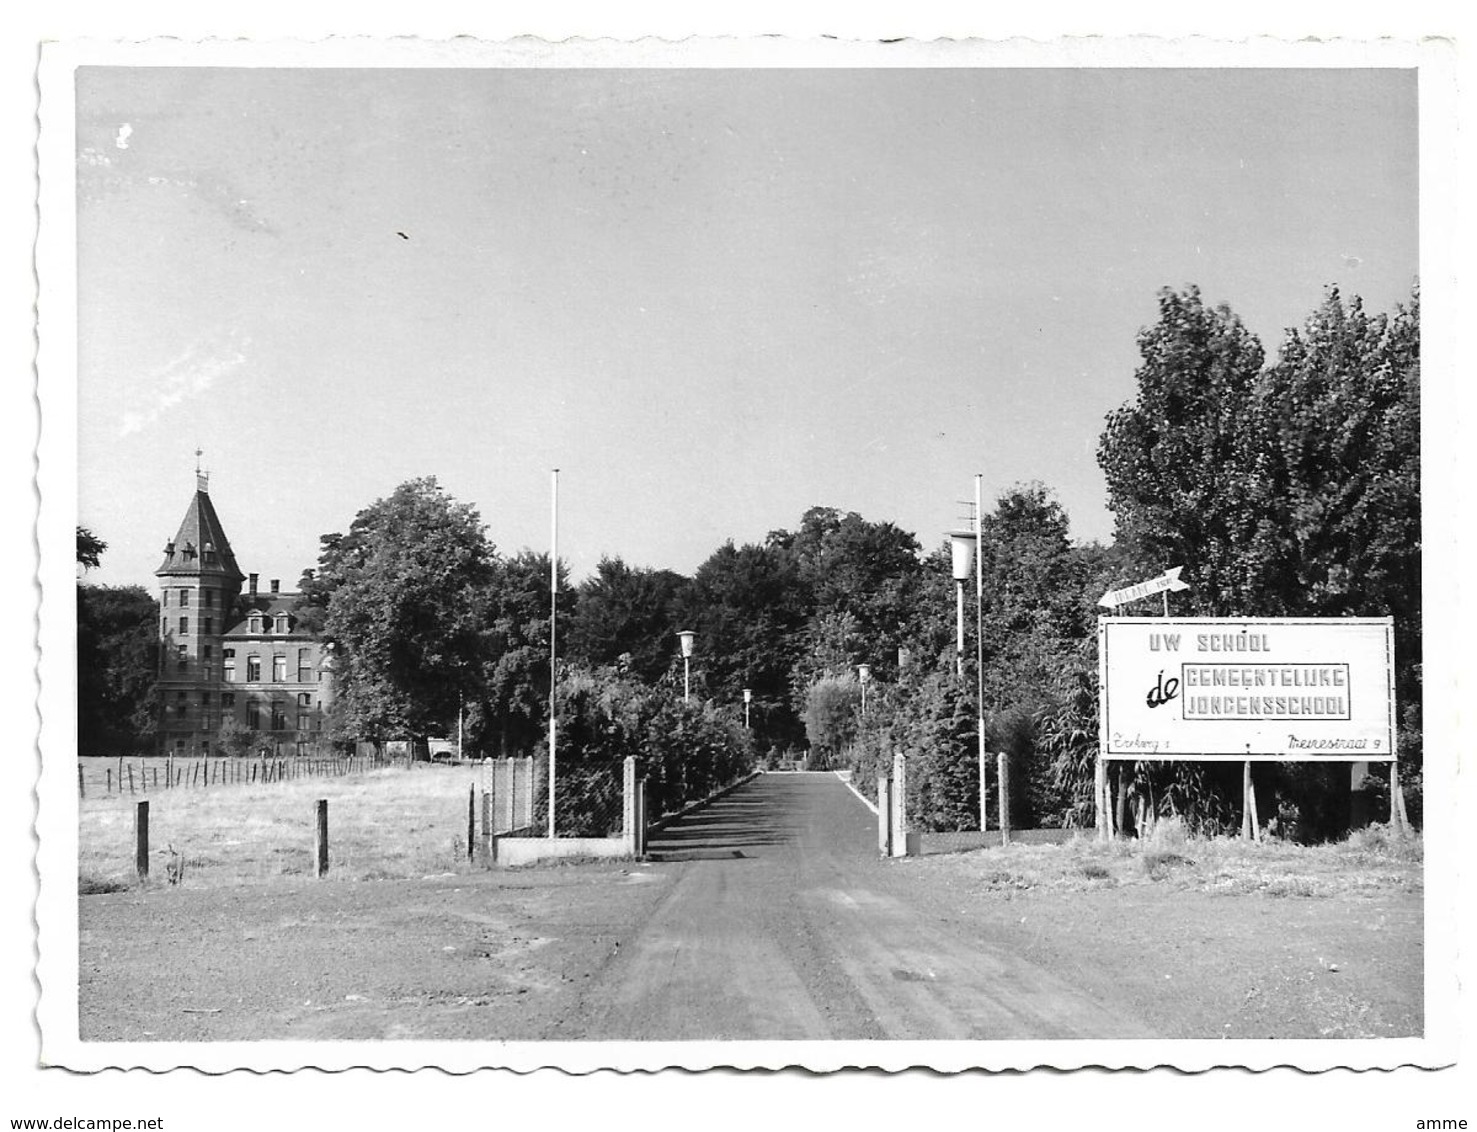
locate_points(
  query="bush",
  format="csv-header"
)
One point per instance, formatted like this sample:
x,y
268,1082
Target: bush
x,y
685,750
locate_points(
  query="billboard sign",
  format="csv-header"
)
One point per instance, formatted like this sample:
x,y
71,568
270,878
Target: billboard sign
x,y
1320,689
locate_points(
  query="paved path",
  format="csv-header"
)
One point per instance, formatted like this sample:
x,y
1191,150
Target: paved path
x,y
781,922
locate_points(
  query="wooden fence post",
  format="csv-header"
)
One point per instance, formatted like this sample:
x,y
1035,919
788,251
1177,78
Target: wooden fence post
x,y
81,783
130,780
141,839
320,837
1397,800
471,821
110,779
1002,774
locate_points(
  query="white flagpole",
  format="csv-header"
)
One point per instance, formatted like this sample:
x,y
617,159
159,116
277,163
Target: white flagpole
x,y
553,650
979,637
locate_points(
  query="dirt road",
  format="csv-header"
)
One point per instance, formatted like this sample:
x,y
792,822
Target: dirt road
x,y
781,922
767,915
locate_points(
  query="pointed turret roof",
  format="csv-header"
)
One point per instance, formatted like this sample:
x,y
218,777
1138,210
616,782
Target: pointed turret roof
x,y
201,547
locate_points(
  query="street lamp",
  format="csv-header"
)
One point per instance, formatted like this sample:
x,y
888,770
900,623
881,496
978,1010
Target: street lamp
x,y
748,698
686,636
864,674
962,544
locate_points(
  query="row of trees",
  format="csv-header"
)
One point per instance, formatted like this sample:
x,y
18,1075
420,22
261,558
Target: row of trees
x,y
1283,487
1289,488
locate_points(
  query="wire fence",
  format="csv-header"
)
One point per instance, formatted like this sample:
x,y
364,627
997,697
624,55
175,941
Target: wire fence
x,y
588,799
508,785
956,807
101,776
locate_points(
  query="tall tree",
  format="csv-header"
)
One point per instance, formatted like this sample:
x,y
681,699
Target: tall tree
x,y
852,568
747,606
1289,491
1181,480
405,592
512,688
117,669
626,616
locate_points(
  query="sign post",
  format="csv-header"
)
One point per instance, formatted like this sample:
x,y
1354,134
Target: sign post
x,y
1164,583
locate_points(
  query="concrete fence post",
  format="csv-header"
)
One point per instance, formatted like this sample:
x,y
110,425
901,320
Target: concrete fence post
x,y
486,839
899,805
1002,774
884,815
628,804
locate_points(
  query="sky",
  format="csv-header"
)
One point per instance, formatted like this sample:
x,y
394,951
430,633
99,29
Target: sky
x,y
712,298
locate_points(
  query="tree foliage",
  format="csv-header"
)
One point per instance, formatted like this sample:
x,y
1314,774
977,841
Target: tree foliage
x,y
405,592
117,669
89,549
1286,490
626,617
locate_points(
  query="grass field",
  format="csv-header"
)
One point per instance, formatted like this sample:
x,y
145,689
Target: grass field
x,y
392,823
1372,860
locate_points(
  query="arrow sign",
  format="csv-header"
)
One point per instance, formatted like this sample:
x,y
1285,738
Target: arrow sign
x,y
1169,580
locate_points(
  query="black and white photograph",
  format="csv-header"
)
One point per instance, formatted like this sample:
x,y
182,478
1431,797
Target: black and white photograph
x,y
741,553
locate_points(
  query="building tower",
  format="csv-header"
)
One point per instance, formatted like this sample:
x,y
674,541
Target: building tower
x,y
226,655
199,586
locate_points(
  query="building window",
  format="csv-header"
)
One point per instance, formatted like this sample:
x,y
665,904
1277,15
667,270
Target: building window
x,y
207,624
228,701
253,669
184,626
253,715
254,624
229,660
205,748
164,627
164,599
279,717
279,668
181,708
207,652
184,599
208,598
304,666
280,625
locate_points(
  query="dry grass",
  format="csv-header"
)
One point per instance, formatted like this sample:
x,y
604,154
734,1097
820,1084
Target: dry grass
x,y
1371,860
384,824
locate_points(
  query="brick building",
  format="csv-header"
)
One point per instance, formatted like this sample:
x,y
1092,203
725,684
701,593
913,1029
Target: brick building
x,y
229,653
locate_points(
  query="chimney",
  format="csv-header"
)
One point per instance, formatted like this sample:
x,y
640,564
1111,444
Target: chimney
x,y
252,582
276,585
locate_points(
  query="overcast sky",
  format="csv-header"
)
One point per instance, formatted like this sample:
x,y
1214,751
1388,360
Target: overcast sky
x,y
713,298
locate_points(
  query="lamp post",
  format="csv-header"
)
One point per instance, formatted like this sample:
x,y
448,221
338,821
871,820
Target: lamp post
x,y
864,674
686,636
962,544
748,698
